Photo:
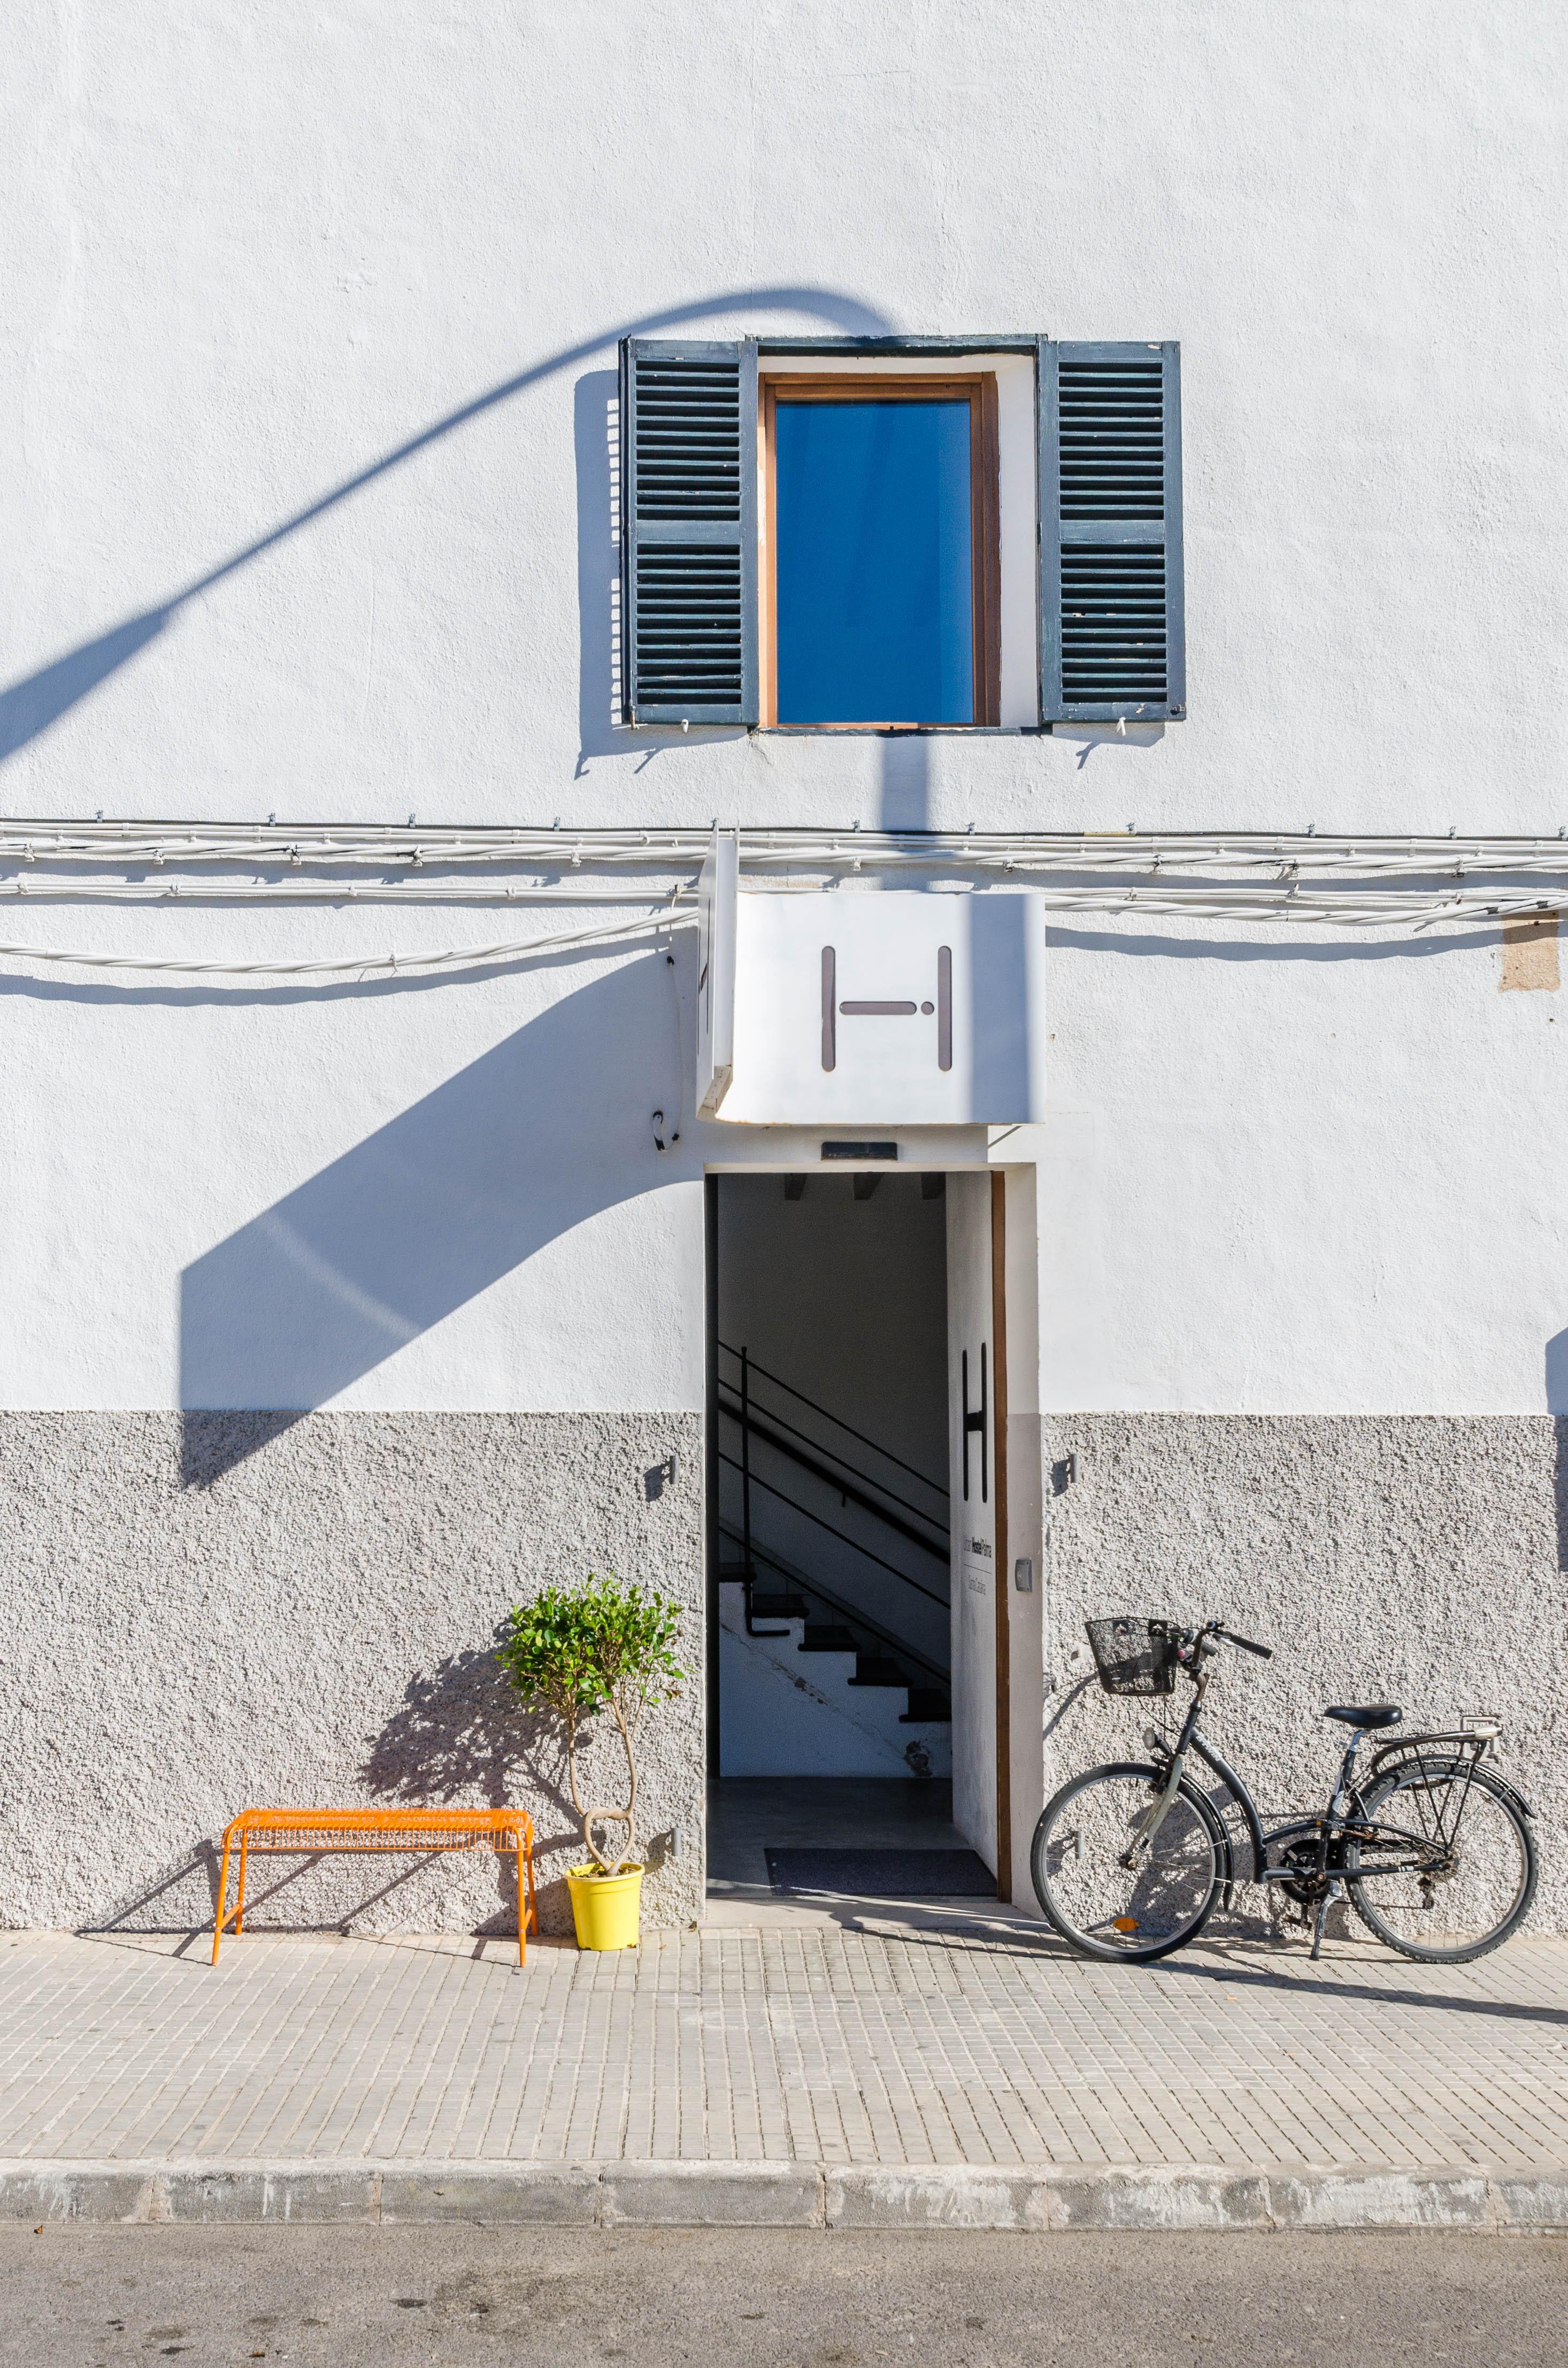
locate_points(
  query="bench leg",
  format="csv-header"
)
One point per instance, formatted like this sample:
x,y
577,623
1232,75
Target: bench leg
x,y
533,1902
522,1912
222,1901
239,1900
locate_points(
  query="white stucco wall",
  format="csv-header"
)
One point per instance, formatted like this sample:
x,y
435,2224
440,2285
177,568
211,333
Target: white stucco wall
x,y
417,1196
246,262
307,417
1288,1177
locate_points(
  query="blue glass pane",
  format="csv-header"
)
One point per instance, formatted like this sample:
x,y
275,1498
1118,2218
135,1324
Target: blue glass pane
x,y
873,573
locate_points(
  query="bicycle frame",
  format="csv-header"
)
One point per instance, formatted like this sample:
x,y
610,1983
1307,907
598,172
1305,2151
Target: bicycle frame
x,y
1189,1739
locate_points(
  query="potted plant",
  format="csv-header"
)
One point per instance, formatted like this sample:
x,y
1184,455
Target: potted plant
x,y
576,1651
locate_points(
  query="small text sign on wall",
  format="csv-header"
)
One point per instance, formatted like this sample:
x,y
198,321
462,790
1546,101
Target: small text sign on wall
x,y
887,1007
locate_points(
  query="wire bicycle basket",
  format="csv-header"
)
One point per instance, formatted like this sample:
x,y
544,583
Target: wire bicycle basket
x,y
1134,1657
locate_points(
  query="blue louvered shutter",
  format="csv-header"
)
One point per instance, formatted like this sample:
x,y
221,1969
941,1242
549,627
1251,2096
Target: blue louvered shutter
x,y
1111,638
689,531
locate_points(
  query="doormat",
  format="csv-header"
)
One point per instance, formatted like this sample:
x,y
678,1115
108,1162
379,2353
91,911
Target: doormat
x,y
884,1874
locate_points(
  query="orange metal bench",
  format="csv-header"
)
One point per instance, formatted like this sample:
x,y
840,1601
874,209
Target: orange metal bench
x,y
313,1831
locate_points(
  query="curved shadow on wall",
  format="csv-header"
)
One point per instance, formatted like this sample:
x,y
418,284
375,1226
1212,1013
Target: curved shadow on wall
x,y
544,1130
31,705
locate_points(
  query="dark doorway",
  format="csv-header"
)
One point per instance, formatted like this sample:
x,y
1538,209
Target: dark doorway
x,y
829,1597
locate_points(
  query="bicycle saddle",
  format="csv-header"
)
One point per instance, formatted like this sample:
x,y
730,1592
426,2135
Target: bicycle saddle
x,y
1369,1714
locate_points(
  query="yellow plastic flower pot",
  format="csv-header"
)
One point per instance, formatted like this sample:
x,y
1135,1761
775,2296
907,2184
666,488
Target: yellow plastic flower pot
x,y
605,1907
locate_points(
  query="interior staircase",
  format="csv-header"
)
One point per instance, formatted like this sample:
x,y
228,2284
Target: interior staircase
x,y
812,1680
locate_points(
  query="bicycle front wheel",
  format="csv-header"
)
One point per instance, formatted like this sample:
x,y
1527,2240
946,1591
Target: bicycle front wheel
x,y
1104,1908
1478,1871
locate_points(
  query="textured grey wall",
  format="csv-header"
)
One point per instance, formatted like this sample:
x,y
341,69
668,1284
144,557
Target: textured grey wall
x,y
1416,1559
188,1633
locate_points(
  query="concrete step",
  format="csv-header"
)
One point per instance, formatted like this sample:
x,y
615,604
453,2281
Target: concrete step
x,y
823,1637
801,1697
876,1670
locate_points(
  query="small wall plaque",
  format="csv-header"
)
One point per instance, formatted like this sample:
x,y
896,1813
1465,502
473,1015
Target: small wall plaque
x,y
1023,1575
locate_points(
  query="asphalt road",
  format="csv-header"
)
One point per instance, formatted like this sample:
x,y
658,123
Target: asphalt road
x,y
95,2298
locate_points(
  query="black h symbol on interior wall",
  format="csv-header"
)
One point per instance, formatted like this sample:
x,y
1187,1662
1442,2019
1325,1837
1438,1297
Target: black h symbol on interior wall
x,y
832,1009
974,1419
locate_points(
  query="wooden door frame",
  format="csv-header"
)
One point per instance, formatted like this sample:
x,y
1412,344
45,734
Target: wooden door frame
x,y
978,389
1001,1586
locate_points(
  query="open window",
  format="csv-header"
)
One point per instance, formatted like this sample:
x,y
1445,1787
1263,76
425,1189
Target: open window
x,y
885,534
879,564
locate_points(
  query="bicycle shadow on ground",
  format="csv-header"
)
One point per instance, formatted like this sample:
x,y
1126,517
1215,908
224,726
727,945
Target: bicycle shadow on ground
x,y
1237,1970
1393,1993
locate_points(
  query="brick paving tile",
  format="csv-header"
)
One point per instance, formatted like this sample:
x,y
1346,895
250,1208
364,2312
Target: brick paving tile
x,y
976,2045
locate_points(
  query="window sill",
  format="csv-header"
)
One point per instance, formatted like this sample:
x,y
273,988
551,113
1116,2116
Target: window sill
x,y
902,731
839,731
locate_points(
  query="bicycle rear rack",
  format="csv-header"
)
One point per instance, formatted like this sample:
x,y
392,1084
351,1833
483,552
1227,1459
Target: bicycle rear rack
x,y
1477,1738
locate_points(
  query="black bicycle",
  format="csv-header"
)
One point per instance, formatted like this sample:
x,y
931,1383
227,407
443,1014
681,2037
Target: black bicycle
x,y
1433,1851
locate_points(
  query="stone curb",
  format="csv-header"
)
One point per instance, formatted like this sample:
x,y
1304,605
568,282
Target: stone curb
x,y
792,2195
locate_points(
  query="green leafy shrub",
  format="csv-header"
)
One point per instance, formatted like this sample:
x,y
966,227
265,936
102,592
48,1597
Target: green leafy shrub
x,y
578,1651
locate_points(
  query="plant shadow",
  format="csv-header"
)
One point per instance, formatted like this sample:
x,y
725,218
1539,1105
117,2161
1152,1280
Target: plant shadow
x,y
458,1736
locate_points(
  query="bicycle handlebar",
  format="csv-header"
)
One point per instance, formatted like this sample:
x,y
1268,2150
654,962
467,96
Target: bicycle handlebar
x,y
1264,1652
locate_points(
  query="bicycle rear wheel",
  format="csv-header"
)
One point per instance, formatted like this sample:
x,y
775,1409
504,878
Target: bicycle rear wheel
x,y
1483,1892
1101,1909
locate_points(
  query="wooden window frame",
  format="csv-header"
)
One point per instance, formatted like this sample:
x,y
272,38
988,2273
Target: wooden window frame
x,y
978,388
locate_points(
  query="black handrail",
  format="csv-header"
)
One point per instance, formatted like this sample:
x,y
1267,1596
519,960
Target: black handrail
x,y
817,1407
835,1602
869,1478
752,1429
853,1544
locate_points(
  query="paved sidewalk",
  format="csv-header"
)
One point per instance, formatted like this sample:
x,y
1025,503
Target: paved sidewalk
x,y
890,2046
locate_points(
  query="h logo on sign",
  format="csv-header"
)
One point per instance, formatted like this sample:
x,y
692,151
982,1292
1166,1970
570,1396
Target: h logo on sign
x,y
833,1010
